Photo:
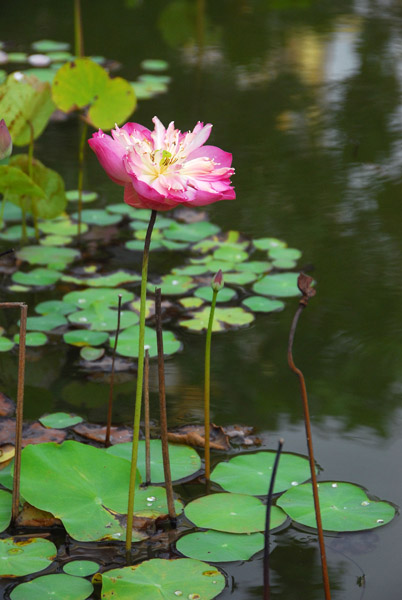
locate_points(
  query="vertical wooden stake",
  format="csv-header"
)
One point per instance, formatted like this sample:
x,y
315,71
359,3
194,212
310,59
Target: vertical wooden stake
x,y
20,410
162,408
111,387
146,420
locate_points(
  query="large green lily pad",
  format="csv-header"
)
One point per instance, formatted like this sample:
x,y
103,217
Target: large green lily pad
x,y
81,568
98,217
190,232
60,420
78,484
109,280
25,556
55,307
159,578
39,255
233,513
102,318
173,285
224,319
85,337
90,297
48,587
224,295
262,304
184,461
46,322
268,243
251,473
128,342
218,546
282,285
62,226
37,277
344,507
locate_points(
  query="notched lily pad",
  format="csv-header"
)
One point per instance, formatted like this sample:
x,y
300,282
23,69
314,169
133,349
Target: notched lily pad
x,y
102,318
60,420
25,556
224,295
173,285
261,304
190,232
81,568
58,585
46,323
224,319
37,277
98,217
38,255
33,339
85,337
218,546
282,285
128,342
268,243
86,196
90,297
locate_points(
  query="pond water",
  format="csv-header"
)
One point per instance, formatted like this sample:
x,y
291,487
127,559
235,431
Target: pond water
x,y
307,97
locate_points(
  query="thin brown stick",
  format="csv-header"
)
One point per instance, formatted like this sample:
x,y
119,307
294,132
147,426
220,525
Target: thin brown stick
x,y
111,387
162,408
304,284
146,420
20,410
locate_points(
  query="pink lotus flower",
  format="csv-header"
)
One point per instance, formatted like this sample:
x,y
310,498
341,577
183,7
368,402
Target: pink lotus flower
x,y
163,168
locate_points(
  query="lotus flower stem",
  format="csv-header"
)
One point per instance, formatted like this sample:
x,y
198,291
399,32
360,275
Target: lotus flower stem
x,y
162,409
217,284
20,406
146,420
111,387
304,283
140,375
78,31
81,156
268,519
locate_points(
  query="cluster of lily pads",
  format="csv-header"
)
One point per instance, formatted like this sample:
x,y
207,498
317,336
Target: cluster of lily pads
x,y
86,488
256,274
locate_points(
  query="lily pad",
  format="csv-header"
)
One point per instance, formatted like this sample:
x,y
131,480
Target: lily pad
x,y
81,568
60,420
284,264
173,285
191,302
62,226
90,354
138,245
160,578
37,277
73,196
190,232
184,461
102,318
290,254
50,45
154,64
123,209
344,507
268,243
110,280
5,344
233,513
85,337
251,473
55,240
230,252
255,266
5,499
170,245
48,587
60,56
224,319
191,270
90,297
218,546
128,342
55,306
224,295
261,304
240,278
33,339
46,322
98,217
283,285
26,556
15,233
79,485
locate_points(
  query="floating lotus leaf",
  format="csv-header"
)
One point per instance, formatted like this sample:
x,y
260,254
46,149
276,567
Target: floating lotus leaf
x,y
98,217
230,252
85,337
138,245
279,253
110,280
141,90
82,82
173,285
60,56
102,318
218,546
150,502
155,78
90,297
184,461
19,288
233,513
55,240
5,499
5,344
149,307
128,342
37,255
17,57
26,556
11,212
55,306
190,232
224,266
15,233
36,277
191,302
79,485
33,338
46,322
124,209
251,473
140,234
153,87
160,578
73,196
344,507
255,266
90,354
283,263
268,243
48,587
154,64
224,318
24,100
283,285
49,46
81,568
60,420
261,304
191,270
170,245
224,295
62,226
240,278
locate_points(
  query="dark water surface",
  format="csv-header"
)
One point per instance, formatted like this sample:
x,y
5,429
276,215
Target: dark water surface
x,y
307,96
